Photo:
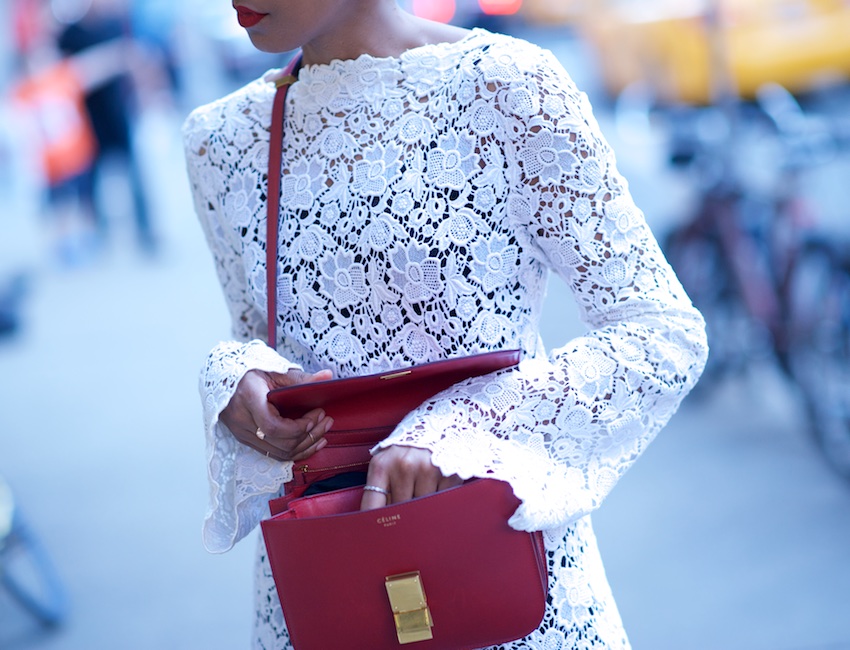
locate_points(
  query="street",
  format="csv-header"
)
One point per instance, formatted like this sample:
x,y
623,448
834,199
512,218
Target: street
x,y
731,533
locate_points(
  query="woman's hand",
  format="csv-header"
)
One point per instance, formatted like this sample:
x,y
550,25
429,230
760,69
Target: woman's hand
x,y
255,422
404,473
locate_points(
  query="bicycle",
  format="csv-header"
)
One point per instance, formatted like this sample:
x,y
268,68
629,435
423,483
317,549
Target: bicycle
x,y
821,366
768,284
26,572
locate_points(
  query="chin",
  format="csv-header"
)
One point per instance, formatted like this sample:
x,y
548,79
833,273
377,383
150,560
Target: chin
x,y
269,46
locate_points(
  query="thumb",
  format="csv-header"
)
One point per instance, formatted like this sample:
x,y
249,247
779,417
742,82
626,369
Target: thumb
x,y
295,376
321,375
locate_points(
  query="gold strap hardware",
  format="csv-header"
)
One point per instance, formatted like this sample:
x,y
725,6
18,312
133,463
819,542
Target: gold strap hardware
x,y
288,80
395,375
410,607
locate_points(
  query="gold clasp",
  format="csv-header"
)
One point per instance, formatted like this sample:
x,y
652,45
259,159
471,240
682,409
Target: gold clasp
x,y
395,375
410,608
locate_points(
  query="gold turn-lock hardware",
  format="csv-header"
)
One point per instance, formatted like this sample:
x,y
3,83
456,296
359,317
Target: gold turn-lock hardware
x,y
410,608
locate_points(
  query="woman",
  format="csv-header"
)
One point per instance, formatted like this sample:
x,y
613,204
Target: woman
x,y
432,177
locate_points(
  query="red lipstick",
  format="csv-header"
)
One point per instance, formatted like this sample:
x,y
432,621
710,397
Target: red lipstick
x,y
248,17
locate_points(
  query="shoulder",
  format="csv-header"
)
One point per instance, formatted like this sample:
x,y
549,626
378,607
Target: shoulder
x,y
223,119
524,82
509,60
521,77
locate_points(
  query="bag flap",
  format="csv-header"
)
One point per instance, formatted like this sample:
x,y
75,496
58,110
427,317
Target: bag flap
x,y
381,400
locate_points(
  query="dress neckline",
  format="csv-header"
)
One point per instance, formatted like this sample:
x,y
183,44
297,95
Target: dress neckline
x,y
343,66
409,54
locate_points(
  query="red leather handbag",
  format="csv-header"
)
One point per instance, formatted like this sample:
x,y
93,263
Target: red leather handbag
x,y
445,571
366,409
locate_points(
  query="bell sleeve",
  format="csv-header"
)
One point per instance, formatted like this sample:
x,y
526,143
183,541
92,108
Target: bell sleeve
x,y
563,428
241,480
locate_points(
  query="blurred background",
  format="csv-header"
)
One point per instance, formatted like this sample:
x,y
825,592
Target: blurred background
x,y
731,121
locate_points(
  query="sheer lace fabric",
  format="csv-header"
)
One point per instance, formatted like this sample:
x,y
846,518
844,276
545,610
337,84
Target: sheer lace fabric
x,y
424,200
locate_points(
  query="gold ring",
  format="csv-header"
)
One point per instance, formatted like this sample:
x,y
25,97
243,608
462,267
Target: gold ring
x,y
312,439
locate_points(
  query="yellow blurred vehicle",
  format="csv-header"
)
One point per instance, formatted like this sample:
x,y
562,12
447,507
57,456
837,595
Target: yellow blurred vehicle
x,y
686,56
552,12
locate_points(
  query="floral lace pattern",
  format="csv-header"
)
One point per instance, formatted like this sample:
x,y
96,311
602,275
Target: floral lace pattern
x,y
424,200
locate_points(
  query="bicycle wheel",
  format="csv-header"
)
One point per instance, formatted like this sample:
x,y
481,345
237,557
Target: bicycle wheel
x,y
819,354
25,570
698,260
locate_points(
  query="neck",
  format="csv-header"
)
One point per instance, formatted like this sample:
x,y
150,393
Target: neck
x,y
380,29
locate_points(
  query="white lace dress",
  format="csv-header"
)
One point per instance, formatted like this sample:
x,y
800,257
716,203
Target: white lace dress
x,y
424,201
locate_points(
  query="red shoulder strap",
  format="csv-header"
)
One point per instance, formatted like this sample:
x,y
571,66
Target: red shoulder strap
x,y
273,191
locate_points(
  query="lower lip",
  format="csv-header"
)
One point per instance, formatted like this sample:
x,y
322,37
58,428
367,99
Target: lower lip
x,y
248,18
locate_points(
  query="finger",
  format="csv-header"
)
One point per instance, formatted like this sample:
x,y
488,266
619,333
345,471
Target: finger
x,y
372,499
281,427
316,421
447,482
377,477
321,375
282,449
312,449
293,439
252,436
402,483
295,376
313,441
263,447
287,449
427,481
312,434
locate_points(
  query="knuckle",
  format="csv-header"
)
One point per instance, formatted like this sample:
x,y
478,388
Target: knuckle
x,y
407,464
378,468
380,460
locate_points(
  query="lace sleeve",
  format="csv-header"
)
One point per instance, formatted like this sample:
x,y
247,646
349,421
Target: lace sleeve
x,y
241,480
563,430
225,213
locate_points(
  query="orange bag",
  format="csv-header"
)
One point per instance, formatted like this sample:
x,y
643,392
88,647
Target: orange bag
x,y
55,99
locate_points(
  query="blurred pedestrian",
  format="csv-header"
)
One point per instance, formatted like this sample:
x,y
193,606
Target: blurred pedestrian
x,y
432,177
154,25
51,126
21,187
100,41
